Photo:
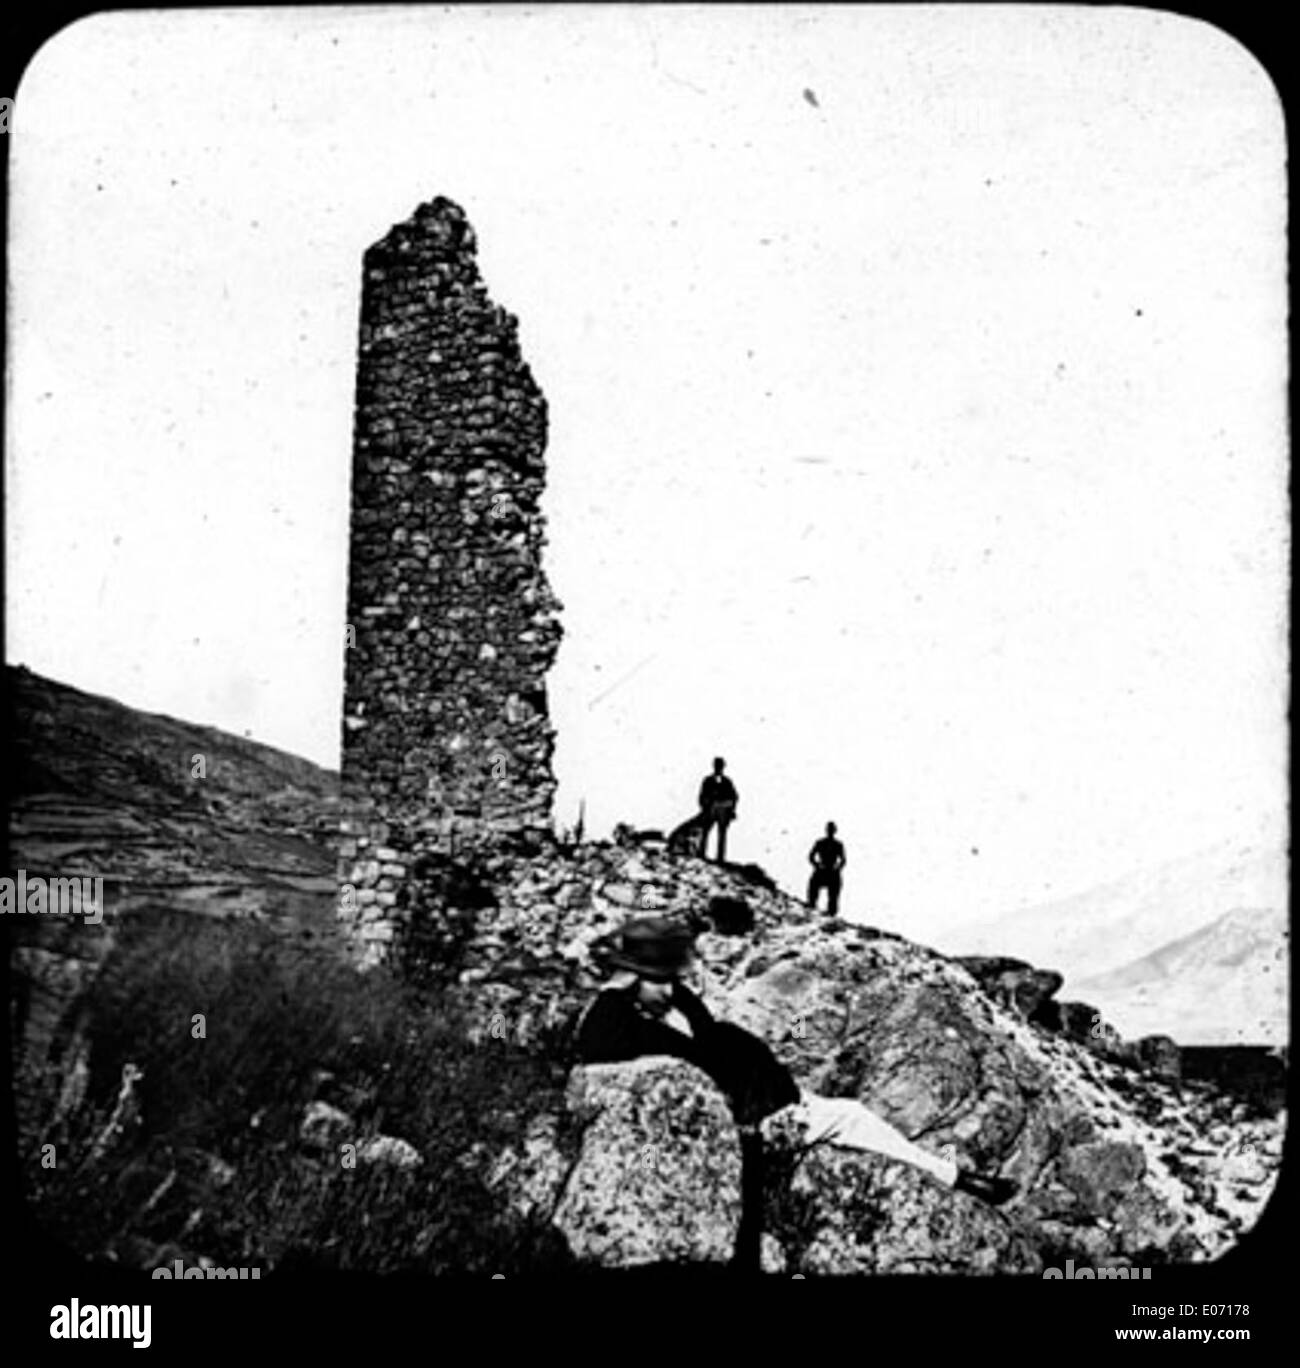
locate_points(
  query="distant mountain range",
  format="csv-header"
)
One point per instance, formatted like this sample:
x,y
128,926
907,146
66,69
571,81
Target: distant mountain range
x,y
1196,948
1226,983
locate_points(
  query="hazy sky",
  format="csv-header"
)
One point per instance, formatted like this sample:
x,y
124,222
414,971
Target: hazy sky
x,y
917,380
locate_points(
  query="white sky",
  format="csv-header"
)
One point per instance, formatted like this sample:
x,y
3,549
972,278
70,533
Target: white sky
x,y
918,443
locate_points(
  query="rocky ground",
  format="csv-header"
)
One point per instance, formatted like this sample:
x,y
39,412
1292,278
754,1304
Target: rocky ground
x,y
1119,1161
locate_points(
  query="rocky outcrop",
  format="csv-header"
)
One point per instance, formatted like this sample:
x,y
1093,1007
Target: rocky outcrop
x,y
831,1210
1032,994
856,1011
657,1180
1083,1023
899,1029
1013,982
729,916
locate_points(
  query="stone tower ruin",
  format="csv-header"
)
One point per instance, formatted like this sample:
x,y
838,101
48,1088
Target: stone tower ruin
x,y
451,624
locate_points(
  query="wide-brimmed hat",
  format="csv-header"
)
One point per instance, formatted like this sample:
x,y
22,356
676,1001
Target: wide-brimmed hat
x,y
653,947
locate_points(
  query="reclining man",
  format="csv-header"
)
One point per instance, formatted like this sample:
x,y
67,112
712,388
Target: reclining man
x,y
646,1010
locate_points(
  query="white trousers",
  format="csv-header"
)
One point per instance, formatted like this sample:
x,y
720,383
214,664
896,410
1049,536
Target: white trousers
x,y
848,1122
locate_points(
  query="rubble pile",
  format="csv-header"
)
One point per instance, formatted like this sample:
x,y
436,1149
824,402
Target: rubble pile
x,y
1103,1139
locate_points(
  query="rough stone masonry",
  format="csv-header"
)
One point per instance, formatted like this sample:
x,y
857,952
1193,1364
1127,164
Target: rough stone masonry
x,y
451,624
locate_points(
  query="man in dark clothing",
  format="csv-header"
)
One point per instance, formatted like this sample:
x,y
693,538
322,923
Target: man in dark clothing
x,y
718,799
652,1012
827,859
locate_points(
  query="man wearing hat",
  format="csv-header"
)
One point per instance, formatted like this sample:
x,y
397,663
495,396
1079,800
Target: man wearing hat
x,y
646,1009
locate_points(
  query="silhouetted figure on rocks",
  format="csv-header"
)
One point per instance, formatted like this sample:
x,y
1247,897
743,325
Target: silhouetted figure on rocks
x,y
718,799
646,1010
827,859
688,837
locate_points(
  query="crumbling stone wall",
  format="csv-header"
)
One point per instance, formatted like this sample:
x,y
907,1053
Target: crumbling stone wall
x,y
451,623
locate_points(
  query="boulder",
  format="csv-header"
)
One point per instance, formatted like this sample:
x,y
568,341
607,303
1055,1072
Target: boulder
x,y
657,1178
901,1030
1013,983
1102,1172
730,916
1081,1022
870,1019
390,1151
621,893
754,874
324,1126
1160,1056
832,1210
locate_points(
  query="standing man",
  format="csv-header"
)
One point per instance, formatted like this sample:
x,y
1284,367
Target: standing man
x,y
718,798
827,859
